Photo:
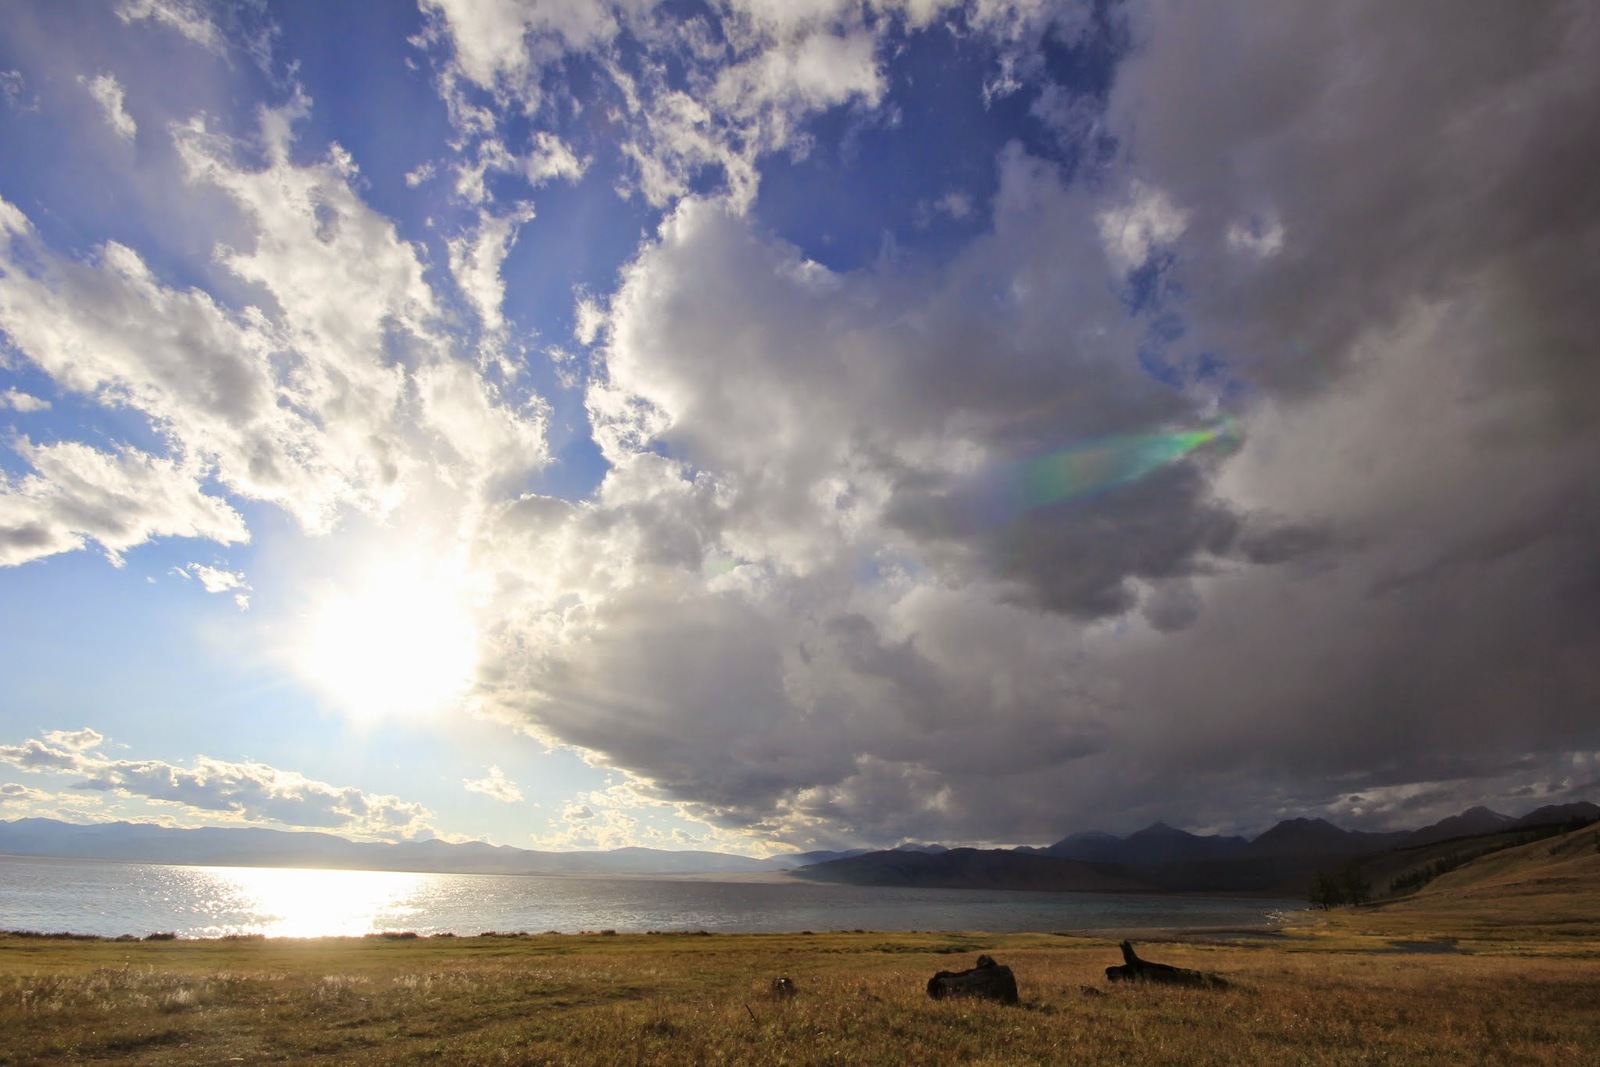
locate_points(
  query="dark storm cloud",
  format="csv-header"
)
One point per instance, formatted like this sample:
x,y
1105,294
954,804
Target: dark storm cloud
x,y
817,618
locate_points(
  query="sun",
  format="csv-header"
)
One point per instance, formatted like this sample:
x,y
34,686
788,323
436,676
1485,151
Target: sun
x,y
398,640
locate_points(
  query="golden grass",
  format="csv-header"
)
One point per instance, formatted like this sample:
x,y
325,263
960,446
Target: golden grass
x,y
1512,976
1316,998
1545,893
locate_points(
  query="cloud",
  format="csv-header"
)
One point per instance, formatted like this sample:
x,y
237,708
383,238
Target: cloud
x,y
107,92
820,593
17,400
189,18
476,259
218,580
119,500
13,793
744,78
495,784
342,389
1134,230
822,613
500,43
247,792
785,693
551,158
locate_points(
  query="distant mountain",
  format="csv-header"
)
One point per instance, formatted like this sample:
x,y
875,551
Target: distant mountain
x,y
1554,814
1156,843
1090,846
1319,837
1470,823
258,847
805,859
971,868
1161,858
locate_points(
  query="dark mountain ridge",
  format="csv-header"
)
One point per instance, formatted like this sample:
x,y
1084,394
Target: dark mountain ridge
x,y
1160,858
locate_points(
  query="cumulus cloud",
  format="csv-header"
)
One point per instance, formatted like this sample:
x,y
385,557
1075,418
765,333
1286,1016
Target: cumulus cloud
x,y
119,500
1144,223
778,690
744,79
15,793
246,792
495,784
341,390
17,400
911,549
1243,633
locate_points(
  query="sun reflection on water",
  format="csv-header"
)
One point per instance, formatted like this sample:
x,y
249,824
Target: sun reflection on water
x,y
303,902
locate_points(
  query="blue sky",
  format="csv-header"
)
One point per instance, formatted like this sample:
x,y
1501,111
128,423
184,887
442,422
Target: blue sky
x,y
580,423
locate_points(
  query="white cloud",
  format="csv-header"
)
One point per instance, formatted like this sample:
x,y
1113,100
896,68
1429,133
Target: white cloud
x,y
957,205
499,45
218,580
17,400
119,500
476,259
811,596
1145,222
495,784
551,158
341,389
1260,237
190,18
14,793
589,318
248,792
107,92
12,85
421,175
738,99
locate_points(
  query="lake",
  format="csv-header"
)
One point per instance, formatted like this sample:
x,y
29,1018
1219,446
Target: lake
x,y
110,899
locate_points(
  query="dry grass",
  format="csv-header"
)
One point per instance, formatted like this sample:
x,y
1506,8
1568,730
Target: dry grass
x,y
1511,975
1322,998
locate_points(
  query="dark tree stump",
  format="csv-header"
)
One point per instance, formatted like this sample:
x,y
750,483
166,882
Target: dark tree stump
x,y
1136,969
989,980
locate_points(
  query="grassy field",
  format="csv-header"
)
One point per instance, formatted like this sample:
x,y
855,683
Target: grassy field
x,y
1432,980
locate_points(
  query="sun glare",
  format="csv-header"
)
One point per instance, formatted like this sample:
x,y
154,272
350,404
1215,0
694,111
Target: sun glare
x,y
399,641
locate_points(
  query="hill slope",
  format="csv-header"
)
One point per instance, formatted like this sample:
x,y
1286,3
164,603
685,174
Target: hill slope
x,y
1546,888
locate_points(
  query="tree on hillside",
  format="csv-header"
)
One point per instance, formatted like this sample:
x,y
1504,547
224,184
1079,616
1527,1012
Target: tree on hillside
x,y
1356,889
1326,891
1334,889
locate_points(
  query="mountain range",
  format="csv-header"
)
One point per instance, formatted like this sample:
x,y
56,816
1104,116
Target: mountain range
x,y
1159,858
259,847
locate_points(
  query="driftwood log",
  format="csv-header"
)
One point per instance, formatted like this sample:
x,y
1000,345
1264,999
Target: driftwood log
x,y
990,980
1136,969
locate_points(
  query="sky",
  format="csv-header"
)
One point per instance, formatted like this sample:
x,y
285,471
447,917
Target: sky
x,y
761,425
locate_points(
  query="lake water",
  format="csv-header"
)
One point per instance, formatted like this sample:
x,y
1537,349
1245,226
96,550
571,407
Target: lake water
x,y
110,899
